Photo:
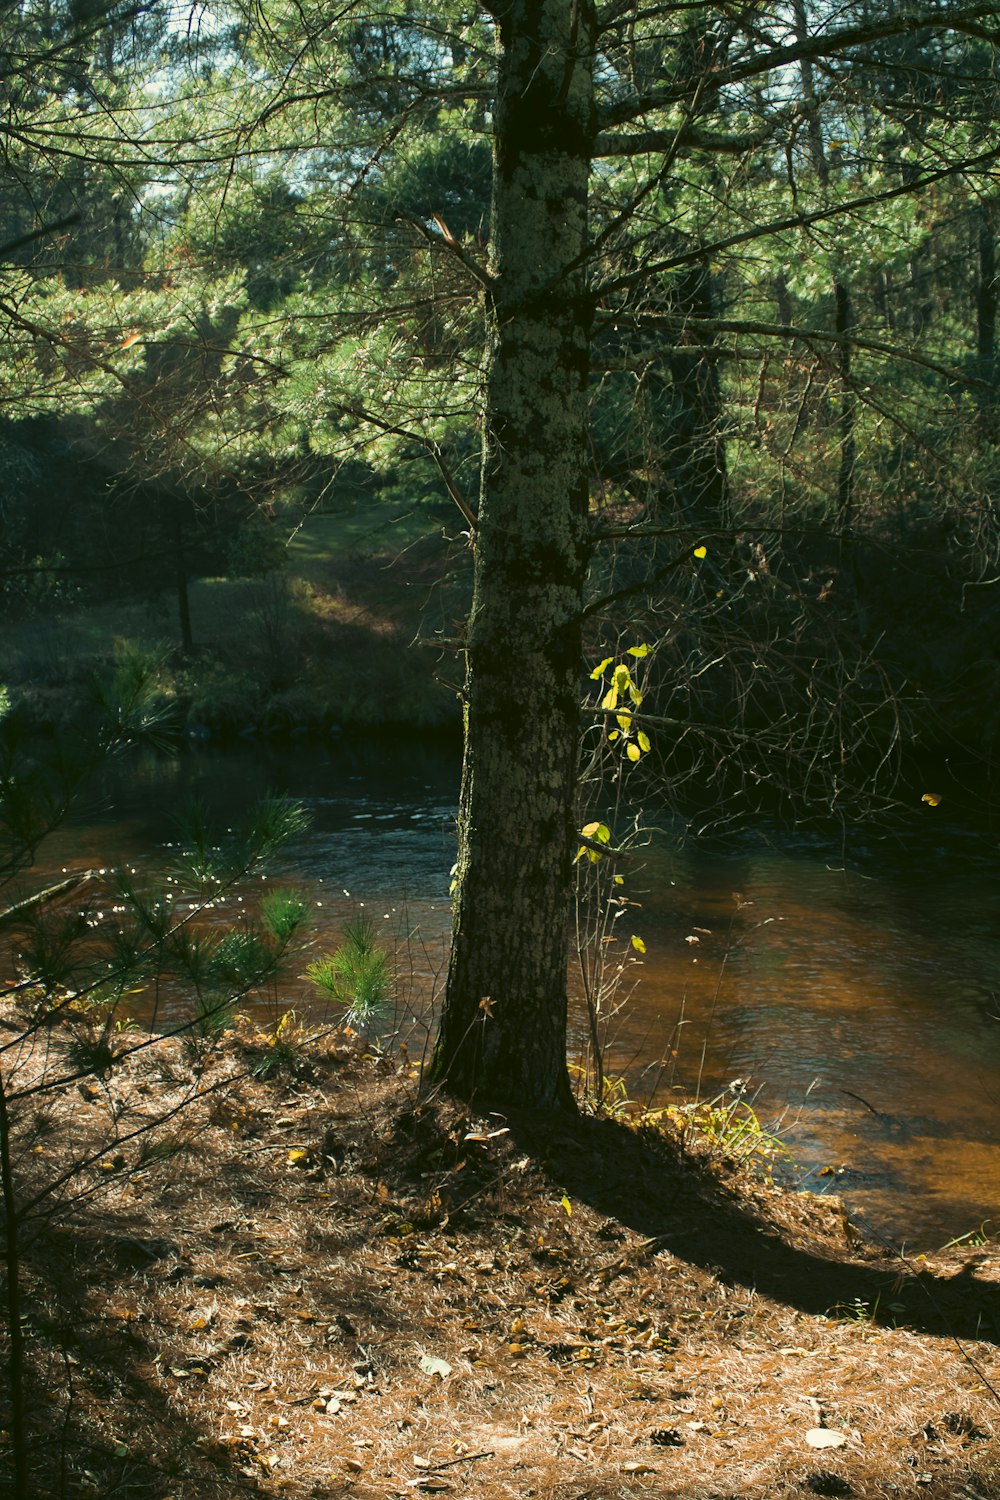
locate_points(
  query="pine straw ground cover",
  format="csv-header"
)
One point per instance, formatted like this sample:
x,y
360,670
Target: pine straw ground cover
x,y
320,1285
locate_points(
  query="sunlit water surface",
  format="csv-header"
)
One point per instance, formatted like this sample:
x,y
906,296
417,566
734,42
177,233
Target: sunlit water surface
x,y
854,991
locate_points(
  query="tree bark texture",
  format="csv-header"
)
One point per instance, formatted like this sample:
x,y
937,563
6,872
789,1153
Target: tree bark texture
x,y
502,1038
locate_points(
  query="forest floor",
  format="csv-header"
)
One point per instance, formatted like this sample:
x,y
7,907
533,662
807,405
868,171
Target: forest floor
x,y
320,1284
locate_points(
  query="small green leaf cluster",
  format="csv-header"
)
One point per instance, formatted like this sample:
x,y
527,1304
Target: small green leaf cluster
x,y
599,833
621,699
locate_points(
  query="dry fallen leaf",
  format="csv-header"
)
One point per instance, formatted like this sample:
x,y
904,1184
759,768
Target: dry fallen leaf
x,y
825,1437
434,1366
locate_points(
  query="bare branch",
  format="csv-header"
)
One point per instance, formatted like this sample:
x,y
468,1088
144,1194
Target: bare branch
x,y
806,49
673,323
444,239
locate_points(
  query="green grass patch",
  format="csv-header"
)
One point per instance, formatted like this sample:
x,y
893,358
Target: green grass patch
x,y
363,527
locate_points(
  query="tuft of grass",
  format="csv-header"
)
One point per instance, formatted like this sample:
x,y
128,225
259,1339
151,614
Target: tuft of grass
x,y
284,1051
728,1128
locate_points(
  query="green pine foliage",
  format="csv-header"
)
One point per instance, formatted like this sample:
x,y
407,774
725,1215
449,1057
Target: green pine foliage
x,y
357,976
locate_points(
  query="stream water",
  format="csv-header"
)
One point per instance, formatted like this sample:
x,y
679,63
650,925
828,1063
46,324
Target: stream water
x,y
855,992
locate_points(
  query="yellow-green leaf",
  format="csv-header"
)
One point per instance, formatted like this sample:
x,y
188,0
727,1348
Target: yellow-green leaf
x,y
643,740
638,944
632,751
638,651
610,699
567,1205
599,831
600,671
933,799
701,552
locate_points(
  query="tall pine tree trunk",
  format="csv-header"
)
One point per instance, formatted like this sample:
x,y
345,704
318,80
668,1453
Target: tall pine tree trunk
x,y
848,411
843,303
503,1030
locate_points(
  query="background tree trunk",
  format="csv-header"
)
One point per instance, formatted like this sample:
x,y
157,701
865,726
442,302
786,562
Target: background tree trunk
x,y
503,1029
697,448
987,297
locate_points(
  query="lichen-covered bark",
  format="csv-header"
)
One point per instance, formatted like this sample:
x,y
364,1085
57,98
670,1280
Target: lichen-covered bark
x,y
503,1029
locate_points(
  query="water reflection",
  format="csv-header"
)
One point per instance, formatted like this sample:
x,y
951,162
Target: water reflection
x,y
860,1001
858,993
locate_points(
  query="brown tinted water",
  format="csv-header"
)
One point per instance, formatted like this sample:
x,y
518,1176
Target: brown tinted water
x,y
858,997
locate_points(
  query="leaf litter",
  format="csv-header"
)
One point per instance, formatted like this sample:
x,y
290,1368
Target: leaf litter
x,y
433,1301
